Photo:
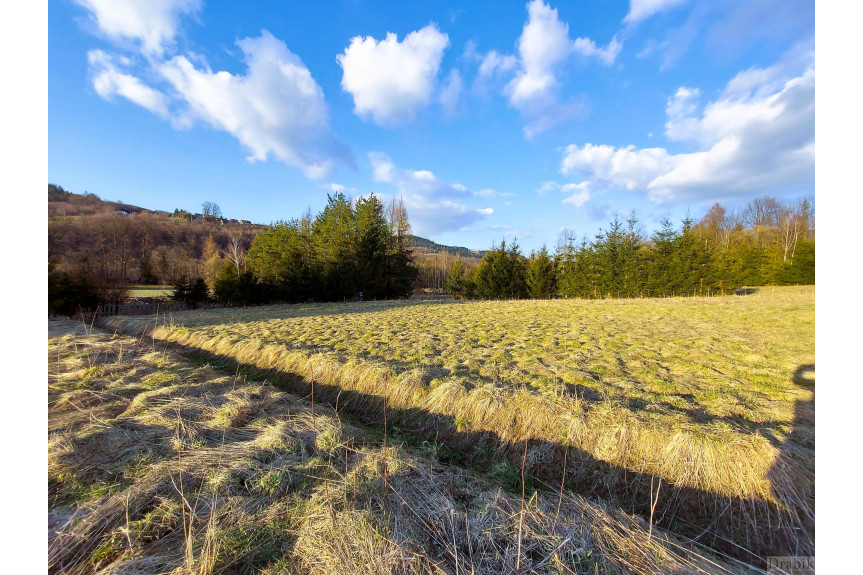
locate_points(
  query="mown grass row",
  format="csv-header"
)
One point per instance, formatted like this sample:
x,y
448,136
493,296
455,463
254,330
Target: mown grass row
x,y
161,465
743,484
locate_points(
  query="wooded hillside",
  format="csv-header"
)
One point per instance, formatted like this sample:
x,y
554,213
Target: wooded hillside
x,y
130,244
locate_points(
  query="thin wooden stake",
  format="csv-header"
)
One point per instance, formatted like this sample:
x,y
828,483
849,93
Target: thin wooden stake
x,y
385,444
521,516
653,504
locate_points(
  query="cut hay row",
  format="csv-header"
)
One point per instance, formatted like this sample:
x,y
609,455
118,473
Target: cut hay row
x,y
159,465
740,492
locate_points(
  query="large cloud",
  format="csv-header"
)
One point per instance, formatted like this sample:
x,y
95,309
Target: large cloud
x,y
276,109
433,205
543,48
152,23
390,80
758,136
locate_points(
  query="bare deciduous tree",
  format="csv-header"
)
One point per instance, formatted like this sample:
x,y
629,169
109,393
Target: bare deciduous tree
x,y
399,223
715,226
211,209
794,224
236,255
761,214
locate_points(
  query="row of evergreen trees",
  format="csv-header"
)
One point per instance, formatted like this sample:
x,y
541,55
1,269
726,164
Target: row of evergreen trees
x,y
349,250
621,262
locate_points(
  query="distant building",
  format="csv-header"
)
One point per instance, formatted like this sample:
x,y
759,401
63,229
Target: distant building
x,y
246,222
123,212
197,216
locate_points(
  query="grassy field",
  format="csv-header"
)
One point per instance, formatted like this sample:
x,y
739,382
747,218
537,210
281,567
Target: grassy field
x,y
150,291
698,410
161,464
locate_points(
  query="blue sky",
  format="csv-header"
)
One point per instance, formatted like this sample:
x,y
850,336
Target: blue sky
x,y
491,119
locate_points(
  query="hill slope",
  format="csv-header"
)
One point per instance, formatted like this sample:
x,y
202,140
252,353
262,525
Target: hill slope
x,y
423,245
138,245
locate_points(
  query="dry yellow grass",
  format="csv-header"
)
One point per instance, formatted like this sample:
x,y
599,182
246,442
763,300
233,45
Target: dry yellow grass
x,y
157,465
699,392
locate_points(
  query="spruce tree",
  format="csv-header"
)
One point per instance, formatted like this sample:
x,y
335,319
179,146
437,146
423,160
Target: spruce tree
x,y
372,239
501,274
456,282
540,274
334,236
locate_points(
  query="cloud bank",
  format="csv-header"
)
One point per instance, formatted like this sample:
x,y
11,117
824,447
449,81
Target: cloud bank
x,y
433,205
758,136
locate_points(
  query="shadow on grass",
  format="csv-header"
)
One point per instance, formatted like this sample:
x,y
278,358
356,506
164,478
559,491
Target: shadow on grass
x,y
798,444
745,528
299,310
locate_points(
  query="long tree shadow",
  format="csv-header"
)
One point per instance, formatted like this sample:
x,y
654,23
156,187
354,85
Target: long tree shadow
x,y
268,312
749,529
796,460
698,414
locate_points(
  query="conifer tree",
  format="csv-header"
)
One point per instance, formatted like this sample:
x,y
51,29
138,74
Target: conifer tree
x,y
457,281
662,267
501,273
540,274
372,238
334,236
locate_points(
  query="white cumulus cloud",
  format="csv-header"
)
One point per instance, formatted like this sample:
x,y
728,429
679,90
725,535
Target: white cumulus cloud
x,y
630,168
758,136
434,206
588,48
109,81
276,109
543,48
579,194
152,23
391,80
493,63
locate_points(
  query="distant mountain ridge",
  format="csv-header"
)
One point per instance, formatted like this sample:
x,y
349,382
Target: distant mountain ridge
x,y
426,245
